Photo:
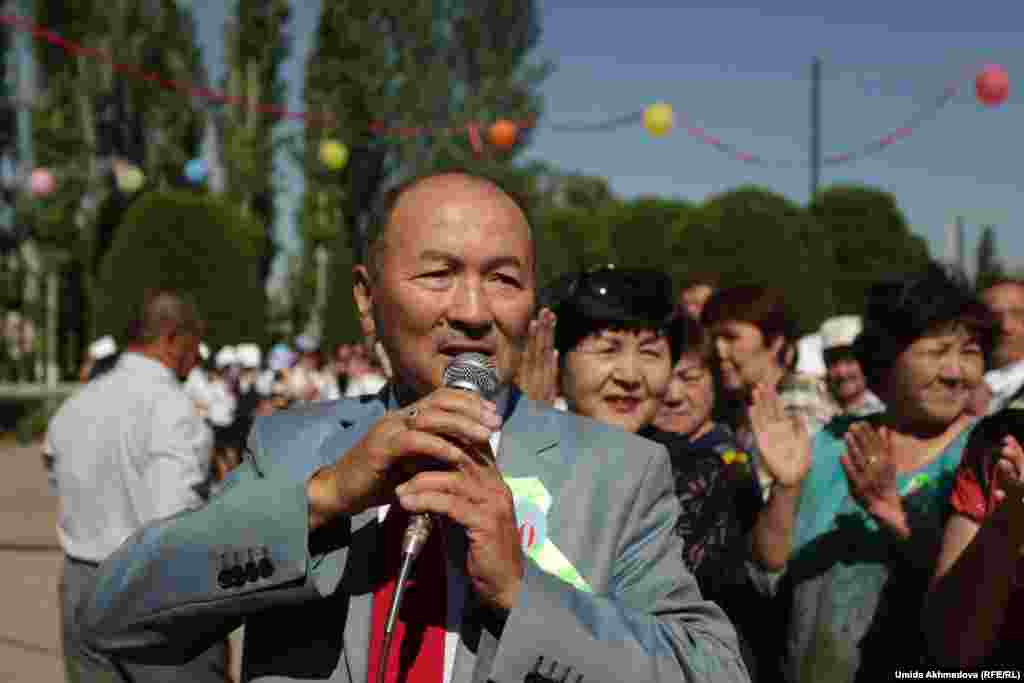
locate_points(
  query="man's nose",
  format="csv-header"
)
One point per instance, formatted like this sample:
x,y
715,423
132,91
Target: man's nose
x,y
470,308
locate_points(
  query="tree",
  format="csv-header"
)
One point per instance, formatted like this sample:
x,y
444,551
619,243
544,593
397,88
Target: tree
x,y
753,235
400,83
87,114
869,239
196,244
256,46
990,268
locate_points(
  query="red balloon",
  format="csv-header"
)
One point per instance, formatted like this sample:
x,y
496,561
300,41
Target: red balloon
x,y
992,85
503,133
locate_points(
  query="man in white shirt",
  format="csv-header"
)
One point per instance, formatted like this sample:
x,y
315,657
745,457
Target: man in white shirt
x,y
845,376
127,449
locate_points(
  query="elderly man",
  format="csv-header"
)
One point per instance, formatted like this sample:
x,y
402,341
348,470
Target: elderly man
x,y
845,376
553,555
129,449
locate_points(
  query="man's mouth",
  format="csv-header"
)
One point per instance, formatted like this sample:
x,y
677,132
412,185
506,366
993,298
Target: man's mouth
x,y
456,349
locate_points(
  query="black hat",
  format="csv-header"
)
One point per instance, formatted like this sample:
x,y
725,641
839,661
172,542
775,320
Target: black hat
x,y
612,297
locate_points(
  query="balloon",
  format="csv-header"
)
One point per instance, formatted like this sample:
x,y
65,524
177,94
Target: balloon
x,y
333,154
196,170
129,178
41,182
503,134
992,85
659,119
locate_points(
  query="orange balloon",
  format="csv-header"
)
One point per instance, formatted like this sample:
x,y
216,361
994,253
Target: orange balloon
x,y
503,134
992,85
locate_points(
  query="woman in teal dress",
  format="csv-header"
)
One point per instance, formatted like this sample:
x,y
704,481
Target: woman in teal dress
x,y
865,533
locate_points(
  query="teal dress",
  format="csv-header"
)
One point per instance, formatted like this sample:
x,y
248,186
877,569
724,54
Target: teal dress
x,y
852,590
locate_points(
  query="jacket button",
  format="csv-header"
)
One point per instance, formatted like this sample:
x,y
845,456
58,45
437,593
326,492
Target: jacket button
x,y
225,579
266,568
252,573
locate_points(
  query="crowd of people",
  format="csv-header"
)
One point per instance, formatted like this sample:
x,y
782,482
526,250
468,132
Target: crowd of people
x,y
717,496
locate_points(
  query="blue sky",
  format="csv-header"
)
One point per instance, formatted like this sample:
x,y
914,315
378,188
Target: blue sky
x,y
741,70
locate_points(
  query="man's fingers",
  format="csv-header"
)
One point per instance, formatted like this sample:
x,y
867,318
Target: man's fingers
x,y
455,425
447,493
409,445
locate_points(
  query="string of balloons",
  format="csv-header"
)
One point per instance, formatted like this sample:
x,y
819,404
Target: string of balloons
x,y
991,89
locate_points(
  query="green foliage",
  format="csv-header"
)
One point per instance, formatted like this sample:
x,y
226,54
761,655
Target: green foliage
x,y
32,425
402,64
870,240
418,65
194,244
822,259
342,322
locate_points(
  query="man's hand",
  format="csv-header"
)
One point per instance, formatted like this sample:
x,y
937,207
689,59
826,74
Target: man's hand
x,y
446,429
475,496
538,371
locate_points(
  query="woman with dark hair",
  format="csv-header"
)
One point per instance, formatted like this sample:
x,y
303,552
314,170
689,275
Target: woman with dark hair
x,y
716,486
613,347
755,338
862,538
617,356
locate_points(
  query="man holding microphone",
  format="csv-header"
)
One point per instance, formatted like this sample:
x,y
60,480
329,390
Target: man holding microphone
x,y
554,560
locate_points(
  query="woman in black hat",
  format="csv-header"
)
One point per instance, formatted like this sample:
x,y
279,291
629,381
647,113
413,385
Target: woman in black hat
x,y
611,357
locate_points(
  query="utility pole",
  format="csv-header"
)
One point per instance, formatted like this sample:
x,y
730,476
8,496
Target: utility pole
x,y
815,126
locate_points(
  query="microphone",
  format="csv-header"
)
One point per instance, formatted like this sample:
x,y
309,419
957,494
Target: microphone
x,y
469,371
472,372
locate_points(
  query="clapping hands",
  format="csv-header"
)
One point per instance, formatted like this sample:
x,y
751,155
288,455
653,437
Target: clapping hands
x,y
782,439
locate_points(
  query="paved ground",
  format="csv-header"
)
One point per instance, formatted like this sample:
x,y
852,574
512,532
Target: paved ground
x,y
30,564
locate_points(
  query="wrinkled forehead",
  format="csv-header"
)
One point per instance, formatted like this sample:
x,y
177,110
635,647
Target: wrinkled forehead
x,y
454,219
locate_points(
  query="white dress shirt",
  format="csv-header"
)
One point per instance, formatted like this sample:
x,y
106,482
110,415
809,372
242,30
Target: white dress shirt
x,y
127,448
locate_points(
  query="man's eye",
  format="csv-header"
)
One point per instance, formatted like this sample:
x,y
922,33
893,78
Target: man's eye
x,y
507,279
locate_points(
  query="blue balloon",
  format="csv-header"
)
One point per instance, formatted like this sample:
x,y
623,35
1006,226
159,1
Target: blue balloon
x,y
196,170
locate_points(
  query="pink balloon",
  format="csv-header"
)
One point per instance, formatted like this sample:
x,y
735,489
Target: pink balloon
x,y
992,85
41,182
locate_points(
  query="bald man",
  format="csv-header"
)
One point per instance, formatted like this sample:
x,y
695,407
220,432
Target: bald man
x,y
128,450
553,555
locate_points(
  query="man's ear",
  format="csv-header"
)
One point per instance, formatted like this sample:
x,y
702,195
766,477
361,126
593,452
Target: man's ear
x,y
362,292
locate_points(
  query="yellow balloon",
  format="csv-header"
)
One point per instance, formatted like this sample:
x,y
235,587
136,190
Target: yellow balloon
x,y
129,177
333,154
659,119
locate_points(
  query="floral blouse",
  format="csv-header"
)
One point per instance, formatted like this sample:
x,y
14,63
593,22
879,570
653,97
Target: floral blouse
x,y
720,500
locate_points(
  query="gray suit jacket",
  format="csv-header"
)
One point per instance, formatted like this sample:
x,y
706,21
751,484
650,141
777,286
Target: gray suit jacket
x,y
179,584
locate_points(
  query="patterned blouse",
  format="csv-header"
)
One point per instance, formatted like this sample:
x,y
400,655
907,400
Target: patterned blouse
x,y
720,500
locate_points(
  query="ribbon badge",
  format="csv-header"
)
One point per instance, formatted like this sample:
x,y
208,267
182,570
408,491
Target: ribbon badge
x,y
532,502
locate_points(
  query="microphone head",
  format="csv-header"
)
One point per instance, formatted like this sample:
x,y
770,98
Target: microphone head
x,y
473,372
